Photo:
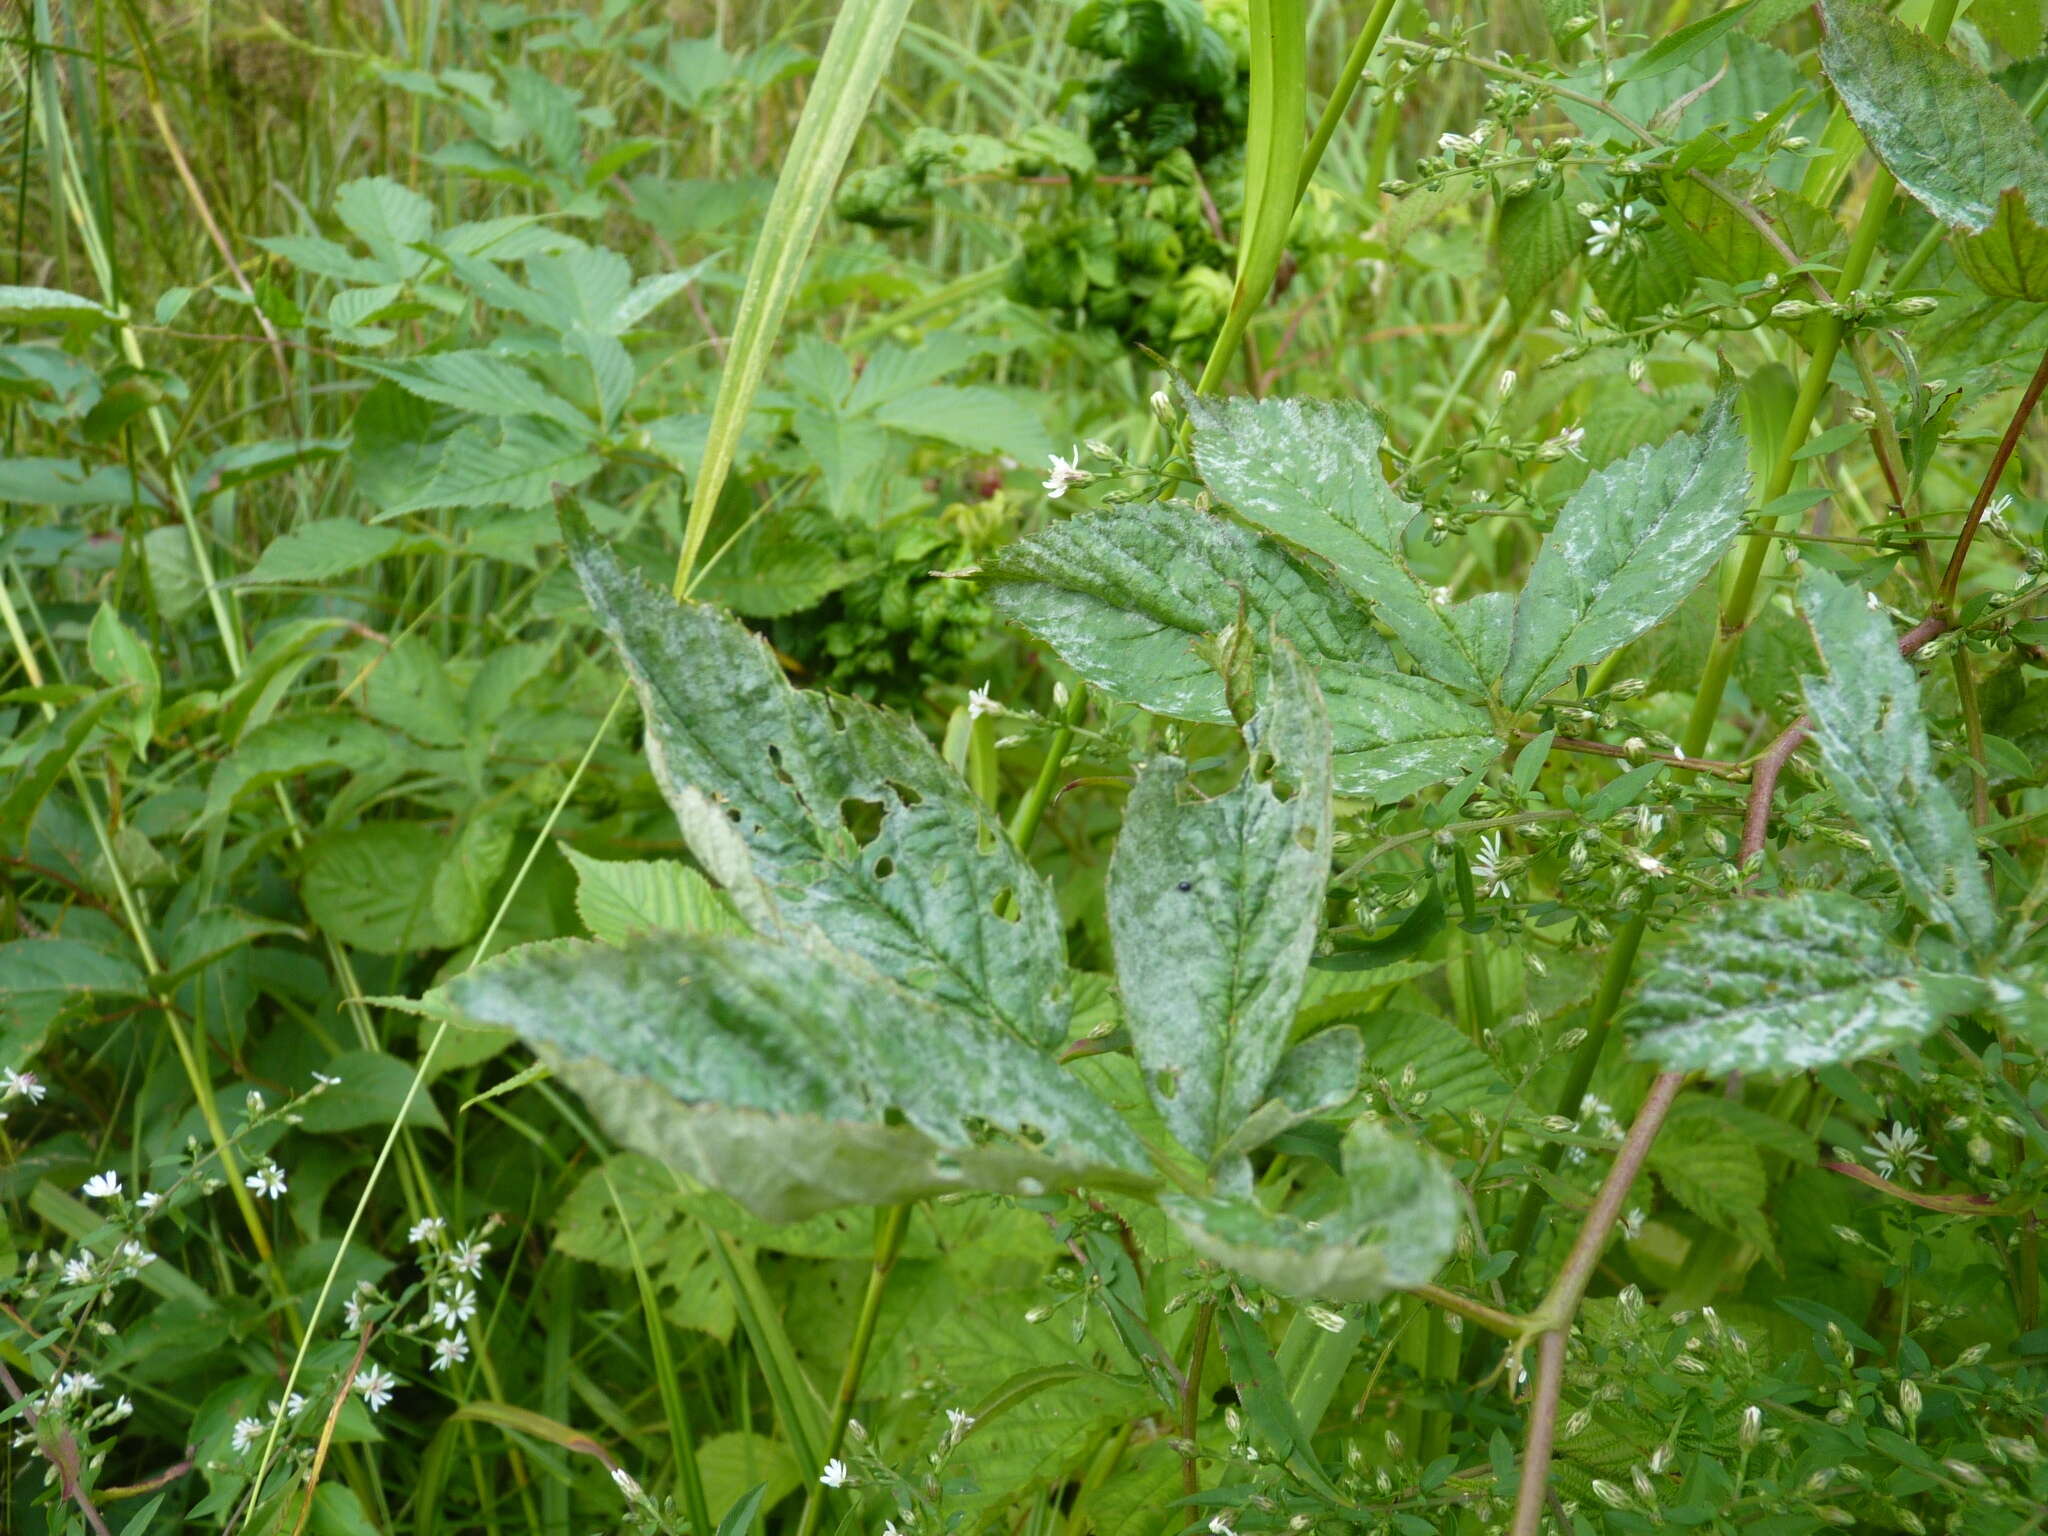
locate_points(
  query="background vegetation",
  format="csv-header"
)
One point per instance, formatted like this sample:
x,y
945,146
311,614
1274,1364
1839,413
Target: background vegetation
x,y
317,310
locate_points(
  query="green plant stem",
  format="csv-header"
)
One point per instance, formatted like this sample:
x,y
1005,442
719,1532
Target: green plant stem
x,y
1455,390
1191,1400
1031,809
889,1228
1362,49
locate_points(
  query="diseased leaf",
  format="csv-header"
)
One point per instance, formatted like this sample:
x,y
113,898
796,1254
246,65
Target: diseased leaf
x,y
790,1079
617,899
1125,596
1388,1222
2009,260
849,817
1866,716
1628,547
1316,1076
1954,140
1308,471
1214,907
1786,985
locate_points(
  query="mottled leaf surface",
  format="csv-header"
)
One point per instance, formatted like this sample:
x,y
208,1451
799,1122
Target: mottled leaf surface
x,y
1386,1223
851,819
1213,909
1866,716
1309,472
1786,985
1954,140
1125,597
789,1078
1628,547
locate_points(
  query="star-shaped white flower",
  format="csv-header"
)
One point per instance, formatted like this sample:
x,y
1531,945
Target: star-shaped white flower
x,y
1066,473
836,1474
376,1386
102,1186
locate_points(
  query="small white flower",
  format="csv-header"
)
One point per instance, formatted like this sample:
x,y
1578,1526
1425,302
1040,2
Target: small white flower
x,y
1565,443
266,1182
79,1270
835,1474
21,1085
135,1255
74,1384
1607,234
1488,868
1898,1150
102,1186
1162,405
979,703
1218,1526
1506,384
449,1350
958,1423
628,1484
1654,867
352,1311
247,1433
458,1308
376,1385
291,1407
325,1081
148,1200
1455,144
426,1227
1066,473
1632,1223
468,1257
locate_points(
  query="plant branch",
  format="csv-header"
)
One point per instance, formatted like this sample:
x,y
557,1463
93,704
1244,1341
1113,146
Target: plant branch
x,y
1492,1319
1561,1304
1999,460
61,1451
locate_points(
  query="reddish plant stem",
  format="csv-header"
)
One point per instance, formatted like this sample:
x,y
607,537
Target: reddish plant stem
x,y
1999,460
1554,1317
1763,778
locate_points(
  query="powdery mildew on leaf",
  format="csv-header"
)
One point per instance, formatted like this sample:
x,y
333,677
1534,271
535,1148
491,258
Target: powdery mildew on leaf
x,y
1213,908
1866,716
1786,985
854,823
1627,549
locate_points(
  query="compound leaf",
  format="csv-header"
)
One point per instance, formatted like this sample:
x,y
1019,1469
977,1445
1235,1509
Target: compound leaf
x,y
789,1078
849,817
1866,716
1628,547
1213,909
1787,985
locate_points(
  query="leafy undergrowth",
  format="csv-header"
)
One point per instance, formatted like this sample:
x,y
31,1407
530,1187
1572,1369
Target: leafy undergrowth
x,y
1143,767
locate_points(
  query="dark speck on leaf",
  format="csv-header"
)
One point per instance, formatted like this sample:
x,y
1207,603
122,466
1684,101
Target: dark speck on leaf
x,y
1185,885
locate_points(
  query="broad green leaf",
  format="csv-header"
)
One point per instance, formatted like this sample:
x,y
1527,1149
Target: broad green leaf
x,y
1954,140
1214,905
1784,985
2009,260
406,687
741,1462
1714,1171
1628,547
1670,51
68,483
1316,1076
1308,471
479,382
1386,1223
42,306
391,887
1126,596
322,549
1430,1067
1539,234
1866,717
517,463
846,812
790,1079
118,655
372,1089
617,899
295,744
591,1225
389,218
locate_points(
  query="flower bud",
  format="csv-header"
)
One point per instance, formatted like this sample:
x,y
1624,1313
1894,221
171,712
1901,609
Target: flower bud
x,y
1752,1427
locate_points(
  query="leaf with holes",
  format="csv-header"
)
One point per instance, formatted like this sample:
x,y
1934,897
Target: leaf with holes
x,y
1628,547
1386,1223
1787,985
850,818
791,1078
1214,905
1866,716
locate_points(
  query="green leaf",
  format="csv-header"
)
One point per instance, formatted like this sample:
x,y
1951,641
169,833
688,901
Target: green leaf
x,y
847,812
322,549
1873,741
2009,260
281,749
1214,906
479,382
1538,236
790,1078
390,887
1430,1067
1786,985
68,483
1713,1170
120,658
1670,51
1953,139
41,306
515,464
1628,547
619,899
1308,471
389,218
372,1089
1126,596
408,689
1387,1222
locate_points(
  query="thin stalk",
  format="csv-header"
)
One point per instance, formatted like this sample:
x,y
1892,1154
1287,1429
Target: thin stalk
x,y
1946,596
1191,1401
1362,49
889,1229
1031,809
682,1442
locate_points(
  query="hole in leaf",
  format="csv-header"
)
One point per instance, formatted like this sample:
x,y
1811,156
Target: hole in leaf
x,y
861,818
884,867
1167,1082
775,761
1005,905
903,792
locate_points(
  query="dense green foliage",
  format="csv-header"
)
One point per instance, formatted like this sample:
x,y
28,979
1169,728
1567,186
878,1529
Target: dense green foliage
x,y
634,894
